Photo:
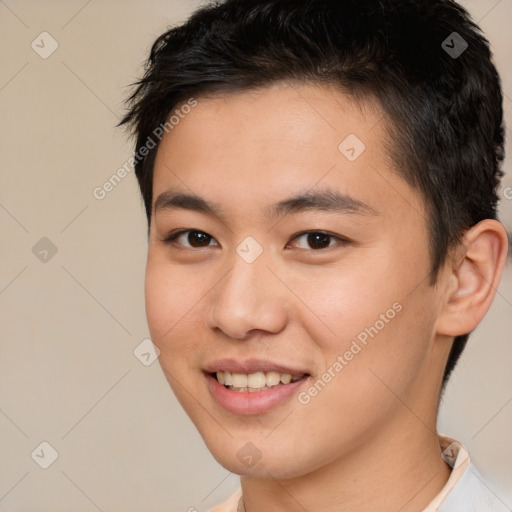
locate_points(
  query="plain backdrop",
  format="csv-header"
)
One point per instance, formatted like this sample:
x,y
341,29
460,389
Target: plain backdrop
x,y
72,273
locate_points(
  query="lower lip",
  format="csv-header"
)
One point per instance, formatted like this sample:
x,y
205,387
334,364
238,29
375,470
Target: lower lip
x,y
244,402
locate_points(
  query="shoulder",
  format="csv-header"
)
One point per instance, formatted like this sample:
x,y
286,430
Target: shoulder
x,y
230,505
472,494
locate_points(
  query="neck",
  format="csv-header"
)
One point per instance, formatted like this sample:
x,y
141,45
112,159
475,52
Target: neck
x,y
402,470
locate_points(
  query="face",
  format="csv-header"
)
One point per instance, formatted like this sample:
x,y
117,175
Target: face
x,y
286,252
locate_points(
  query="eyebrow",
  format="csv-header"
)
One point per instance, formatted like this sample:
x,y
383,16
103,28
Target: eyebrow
x,y
325,199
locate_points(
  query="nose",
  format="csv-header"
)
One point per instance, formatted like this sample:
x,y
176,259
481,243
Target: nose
x,y
249,298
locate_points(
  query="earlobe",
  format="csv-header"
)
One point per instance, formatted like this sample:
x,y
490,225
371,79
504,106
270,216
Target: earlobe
x,y
475,273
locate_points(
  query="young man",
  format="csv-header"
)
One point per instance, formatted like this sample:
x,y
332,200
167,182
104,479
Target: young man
x,y
320,182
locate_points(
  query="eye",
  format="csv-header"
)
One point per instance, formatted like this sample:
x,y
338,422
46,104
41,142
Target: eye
x,y
318,240
193,237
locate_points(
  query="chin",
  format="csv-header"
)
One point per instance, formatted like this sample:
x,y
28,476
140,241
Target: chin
x,y
256,457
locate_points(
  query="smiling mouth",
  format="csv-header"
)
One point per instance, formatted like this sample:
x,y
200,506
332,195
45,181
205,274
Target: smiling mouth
x,y
255,382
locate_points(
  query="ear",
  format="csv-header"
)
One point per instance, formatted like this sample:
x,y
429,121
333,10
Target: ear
x,y
473,277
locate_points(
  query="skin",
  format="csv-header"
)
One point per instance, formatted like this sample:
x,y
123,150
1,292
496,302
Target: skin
x,y
368,439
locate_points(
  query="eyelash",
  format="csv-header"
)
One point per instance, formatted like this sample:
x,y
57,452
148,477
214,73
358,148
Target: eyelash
x,y
341,241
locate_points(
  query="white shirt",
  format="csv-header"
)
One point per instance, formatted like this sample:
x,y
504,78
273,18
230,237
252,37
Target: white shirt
x,y
465,490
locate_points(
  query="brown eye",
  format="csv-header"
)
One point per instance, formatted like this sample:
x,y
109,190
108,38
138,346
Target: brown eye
x,y
198,238
190,238
318,240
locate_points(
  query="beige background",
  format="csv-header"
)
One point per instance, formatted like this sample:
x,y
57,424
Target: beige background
x,y
68,375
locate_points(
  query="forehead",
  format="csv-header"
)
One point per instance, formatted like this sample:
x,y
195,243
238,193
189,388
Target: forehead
x,y
283,114
261,145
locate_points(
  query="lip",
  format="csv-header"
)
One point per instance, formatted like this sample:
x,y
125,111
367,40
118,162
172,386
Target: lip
x,y
247,403
248,366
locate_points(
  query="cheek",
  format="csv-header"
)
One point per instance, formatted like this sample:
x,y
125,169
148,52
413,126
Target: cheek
x,y
378,320
169,311
160,301
381,357
344,300
170,297
355,394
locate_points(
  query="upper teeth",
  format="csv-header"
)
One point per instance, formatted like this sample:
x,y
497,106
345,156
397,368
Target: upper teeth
x,y
255,380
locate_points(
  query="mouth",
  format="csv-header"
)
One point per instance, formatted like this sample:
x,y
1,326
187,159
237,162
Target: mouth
x,y
255,382
253,386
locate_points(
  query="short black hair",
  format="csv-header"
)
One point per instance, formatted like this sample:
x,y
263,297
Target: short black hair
x,y
426,63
